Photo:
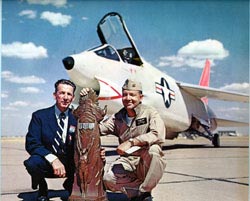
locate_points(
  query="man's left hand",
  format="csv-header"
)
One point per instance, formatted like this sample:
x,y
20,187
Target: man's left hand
x,y
58,167
123,147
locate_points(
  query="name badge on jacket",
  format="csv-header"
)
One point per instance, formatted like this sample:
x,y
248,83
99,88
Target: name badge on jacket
x,y
71,134
72,129
141,121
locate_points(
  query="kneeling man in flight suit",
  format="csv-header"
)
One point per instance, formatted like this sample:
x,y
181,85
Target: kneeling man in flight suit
x,y
138,125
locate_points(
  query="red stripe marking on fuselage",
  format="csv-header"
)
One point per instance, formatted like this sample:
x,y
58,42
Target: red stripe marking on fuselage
x,y
111,97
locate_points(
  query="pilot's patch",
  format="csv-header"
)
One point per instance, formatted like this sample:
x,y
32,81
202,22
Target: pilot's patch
x,y
141,121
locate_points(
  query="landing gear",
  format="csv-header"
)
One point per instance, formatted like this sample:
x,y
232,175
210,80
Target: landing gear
x,y
202,128
216,140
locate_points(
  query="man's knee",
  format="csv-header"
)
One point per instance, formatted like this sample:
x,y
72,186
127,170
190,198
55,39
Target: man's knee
x,y
109,177
114,173
155,149
157,156
35,164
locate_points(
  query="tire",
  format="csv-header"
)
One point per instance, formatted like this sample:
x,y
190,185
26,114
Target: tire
x,y
216,140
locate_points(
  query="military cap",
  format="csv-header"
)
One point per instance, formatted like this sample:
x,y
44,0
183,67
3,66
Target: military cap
x,y
132,85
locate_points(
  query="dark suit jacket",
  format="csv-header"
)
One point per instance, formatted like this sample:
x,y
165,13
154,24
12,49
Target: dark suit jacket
x,y
42,130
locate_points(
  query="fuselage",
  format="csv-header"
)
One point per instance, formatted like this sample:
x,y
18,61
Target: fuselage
x,y
102,69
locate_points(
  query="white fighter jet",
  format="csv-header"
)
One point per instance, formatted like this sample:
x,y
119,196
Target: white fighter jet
x,y
183,107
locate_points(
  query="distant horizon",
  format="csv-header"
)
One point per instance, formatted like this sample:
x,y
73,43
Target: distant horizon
x,y
237,135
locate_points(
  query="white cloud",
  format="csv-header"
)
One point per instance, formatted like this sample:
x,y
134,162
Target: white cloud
x,y
179,61
32,79
8,108
56,19
57,3
84,18
238,87
15,106
211,49
173,61
28,13
4,94
29,90
19,104
6,74
24,50
238,113
195,53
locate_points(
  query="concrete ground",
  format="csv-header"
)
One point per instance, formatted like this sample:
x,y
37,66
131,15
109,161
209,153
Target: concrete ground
x,y
196,171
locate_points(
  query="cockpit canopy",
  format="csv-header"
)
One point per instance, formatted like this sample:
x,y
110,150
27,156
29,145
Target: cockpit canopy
x,y
112,30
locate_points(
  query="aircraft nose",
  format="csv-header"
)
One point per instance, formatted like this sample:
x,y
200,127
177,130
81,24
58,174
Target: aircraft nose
x,y
68,63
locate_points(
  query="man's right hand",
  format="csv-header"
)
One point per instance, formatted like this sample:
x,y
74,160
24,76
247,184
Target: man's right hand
x,y
84,91
58,167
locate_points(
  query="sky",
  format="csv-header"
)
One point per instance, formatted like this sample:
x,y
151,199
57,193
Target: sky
x,y
174,36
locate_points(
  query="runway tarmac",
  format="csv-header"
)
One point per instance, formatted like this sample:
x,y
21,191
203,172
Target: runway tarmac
x,y
196,171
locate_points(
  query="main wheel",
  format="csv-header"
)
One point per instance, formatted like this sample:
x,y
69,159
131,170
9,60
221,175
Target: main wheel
x,y
216,140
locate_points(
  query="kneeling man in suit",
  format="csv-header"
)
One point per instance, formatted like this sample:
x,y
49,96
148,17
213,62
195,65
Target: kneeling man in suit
x,y
50,141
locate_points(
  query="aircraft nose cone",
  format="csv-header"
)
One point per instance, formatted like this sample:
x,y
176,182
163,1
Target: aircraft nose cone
x,y
68,63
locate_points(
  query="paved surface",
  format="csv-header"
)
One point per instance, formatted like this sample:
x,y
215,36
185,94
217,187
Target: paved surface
x,y
195,171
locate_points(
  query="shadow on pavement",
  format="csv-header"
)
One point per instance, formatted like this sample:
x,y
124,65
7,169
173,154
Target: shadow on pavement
x,y
196,146
32,196
116,197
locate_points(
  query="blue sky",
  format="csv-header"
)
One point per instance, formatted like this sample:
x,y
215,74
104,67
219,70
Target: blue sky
x,y
174,36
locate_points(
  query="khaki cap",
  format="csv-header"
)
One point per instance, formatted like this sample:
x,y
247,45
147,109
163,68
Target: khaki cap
x,y
132,85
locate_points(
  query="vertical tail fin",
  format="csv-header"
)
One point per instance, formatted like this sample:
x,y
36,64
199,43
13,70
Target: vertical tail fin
x,y
205,79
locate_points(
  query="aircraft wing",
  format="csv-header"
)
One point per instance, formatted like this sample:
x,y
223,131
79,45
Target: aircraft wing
x,y
209,92
230,123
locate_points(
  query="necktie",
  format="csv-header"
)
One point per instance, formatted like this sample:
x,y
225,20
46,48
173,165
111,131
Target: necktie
x,y
59,145
62,116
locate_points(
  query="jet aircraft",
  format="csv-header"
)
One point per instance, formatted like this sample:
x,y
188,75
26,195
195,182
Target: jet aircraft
x,y
182,106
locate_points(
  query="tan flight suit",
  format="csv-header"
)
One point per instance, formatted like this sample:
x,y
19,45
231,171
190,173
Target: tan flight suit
x,y
140,173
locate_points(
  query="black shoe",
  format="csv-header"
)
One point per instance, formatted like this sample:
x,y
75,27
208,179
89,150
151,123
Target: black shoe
x,y
42,198
34,183
43,190
143,197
